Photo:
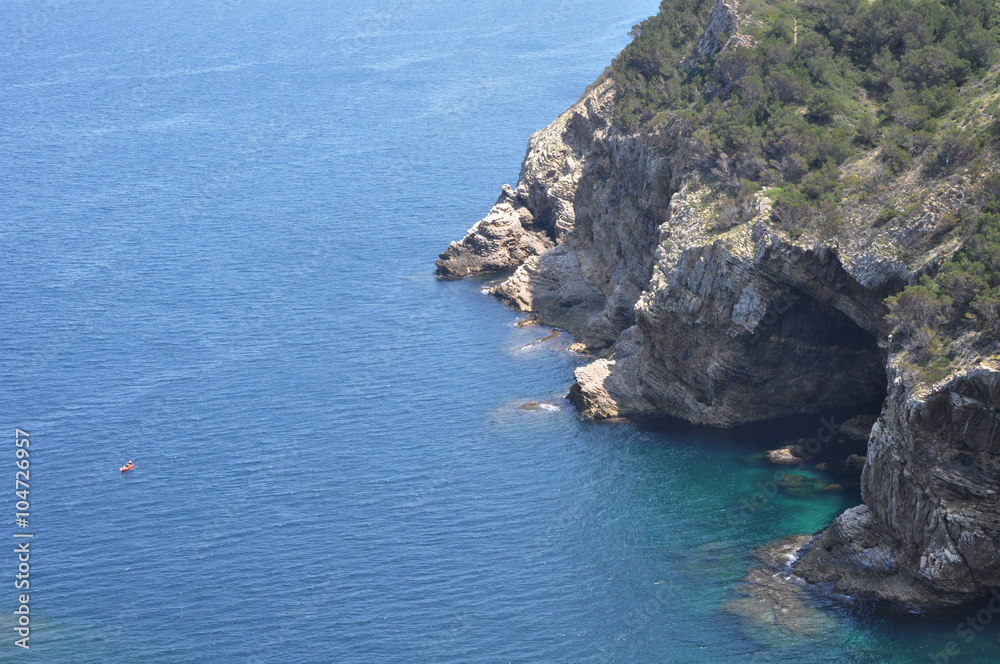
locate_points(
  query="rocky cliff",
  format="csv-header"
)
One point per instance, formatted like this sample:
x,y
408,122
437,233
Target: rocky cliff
x,y
710,306
928,533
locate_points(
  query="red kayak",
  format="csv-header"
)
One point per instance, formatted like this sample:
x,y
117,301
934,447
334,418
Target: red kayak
x,y
129,466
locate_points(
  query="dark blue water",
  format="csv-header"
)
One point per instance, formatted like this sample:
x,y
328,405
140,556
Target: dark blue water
x,y
218,224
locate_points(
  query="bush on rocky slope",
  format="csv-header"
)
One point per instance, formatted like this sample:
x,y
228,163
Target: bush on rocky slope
x,y
961,304
810,85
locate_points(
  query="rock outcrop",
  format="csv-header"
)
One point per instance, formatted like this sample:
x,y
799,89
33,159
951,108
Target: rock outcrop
x,y
501,241
539,212
928,533
721,31
721,319
773,605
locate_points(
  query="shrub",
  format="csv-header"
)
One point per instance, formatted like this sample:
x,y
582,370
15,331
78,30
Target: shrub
x,y
963,297
954,148
886,215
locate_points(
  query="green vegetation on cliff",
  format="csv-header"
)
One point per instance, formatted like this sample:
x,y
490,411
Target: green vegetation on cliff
x,y
810,85
801,91
935,317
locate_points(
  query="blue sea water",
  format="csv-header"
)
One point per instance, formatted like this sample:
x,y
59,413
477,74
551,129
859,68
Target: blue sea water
x,y
219,222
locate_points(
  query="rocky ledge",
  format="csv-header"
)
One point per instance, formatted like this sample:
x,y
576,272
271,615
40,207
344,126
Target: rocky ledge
x,y
617,237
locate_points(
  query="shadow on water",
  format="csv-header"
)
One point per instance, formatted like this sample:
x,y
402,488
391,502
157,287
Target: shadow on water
x,y
816,439
756,436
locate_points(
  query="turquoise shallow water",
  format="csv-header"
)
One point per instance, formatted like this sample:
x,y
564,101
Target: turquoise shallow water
x,y
219,226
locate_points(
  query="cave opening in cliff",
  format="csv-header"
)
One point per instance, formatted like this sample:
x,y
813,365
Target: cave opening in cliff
x,y
818,324
826,357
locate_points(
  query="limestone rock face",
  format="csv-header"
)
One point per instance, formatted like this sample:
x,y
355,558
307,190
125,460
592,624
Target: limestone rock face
x,y
743,328
529,219
721,31
931,487
693,311
590,283
501,241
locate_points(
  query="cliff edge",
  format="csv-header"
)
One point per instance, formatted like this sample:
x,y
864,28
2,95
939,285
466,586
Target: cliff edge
x,y
767,209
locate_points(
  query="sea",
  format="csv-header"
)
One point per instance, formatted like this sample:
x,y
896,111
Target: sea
x,y
219,222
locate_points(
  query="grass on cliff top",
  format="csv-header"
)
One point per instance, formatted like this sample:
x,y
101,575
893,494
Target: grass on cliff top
x,y
821,83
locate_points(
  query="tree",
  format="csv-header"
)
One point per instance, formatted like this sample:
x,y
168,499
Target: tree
x,y
822,106
918,306
955,148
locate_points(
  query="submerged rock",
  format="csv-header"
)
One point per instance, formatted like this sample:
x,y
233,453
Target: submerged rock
x,y
855,462
539,405
773,603
794,481
784,457
799,484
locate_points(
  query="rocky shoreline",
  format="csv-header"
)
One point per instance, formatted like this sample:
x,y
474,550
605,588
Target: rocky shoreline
x,y
615,238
